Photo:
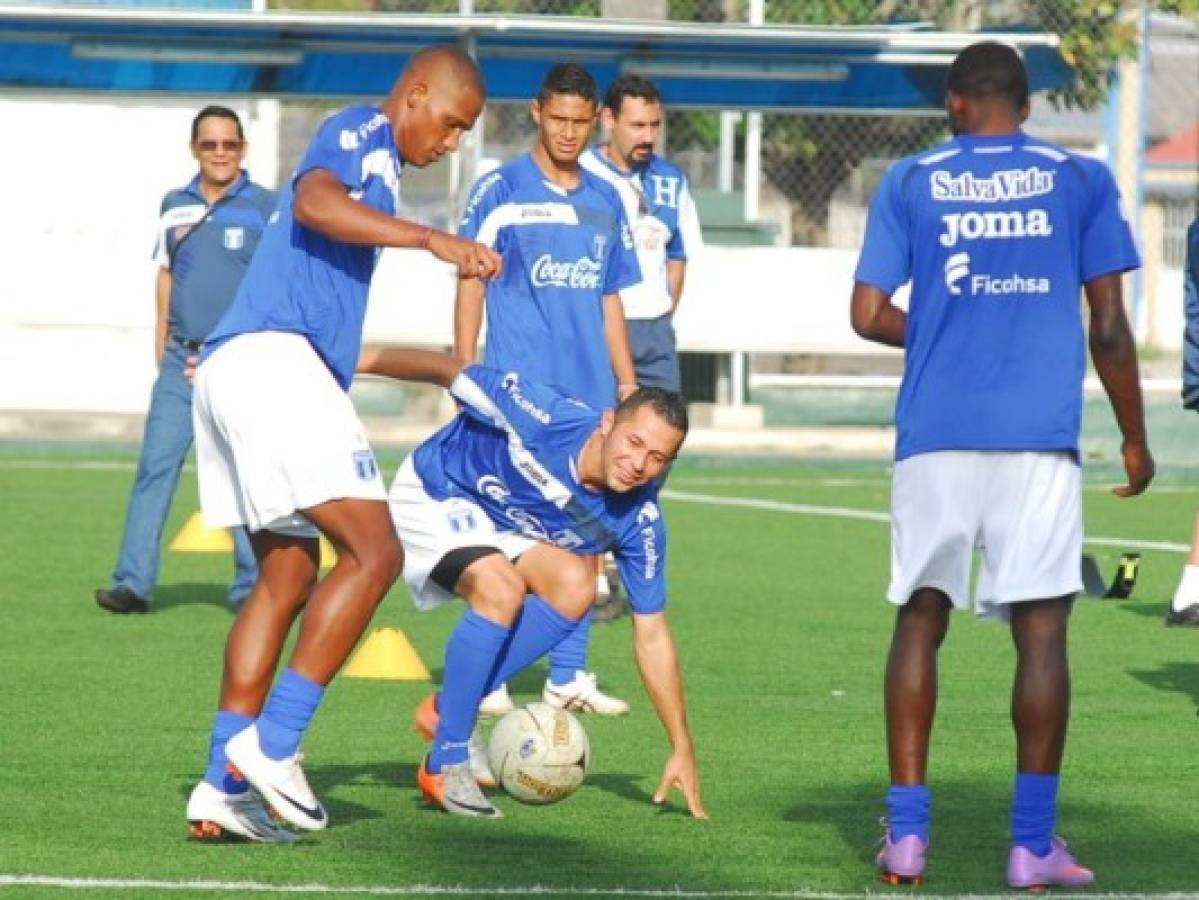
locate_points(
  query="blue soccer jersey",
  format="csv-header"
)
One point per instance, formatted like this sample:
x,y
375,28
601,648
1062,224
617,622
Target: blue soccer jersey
x,y
304,282
513,450
563,251
997,235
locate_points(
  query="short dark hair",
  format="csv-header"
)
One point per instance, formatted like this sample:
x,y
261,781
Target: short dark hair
x,y
630,85
989,69
216,112
669,406
570,79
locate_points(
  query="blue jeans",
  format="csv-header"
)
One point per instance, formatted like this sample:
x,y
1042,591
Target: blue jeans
x,y
167,439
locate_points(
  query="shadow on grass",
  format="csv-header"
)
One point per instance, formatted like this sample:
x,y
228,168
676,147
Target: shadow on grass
x,y
1151,610
1178,678
168,596
1130,849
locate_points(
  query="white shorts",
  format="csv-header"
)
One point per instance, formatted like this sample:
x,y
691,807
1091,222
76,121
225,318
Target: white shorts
x,y
276,434
429,529
1022,510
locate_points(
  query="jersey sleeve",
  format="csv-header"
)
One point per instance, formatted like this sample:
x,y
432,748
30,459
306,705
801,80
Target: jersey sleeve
x,y
339,147
687,237
505,401
161,254
479,221
621,269
641,558
886,258
1107,245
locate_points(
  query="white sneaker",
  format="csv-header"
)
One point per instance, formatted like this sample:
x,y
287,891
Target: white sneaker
x,y
582,695
212,814
479,765
281,782
497,703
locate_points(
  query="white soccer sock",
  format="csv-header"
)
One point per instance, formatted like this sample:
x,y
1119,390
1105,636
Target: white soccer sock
x,y
1188,589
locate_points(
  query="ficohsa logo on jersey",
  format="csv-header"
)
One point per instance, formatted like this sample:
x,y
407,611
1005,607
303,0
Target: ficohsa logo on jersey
x,y
511,384
582,274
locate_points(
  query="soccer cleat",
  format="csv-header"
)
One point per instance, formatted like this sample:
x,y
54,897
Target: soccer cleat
x,y
121,600
1036,873
497,703
902,861
582,695
455,790
1187,617
281,782
214,815
424,723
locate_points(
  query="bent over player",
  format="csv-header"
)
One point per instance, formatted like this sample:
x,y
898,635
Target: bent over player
x,y
997,232
497,505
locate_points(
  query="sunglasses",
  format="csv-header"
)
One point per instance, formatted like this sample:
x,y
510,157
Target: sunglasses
x,y
213,146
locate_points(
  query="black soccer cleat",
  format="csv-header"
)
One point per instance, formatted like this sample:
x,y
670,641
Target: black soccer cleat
x,y
121,600
1187,617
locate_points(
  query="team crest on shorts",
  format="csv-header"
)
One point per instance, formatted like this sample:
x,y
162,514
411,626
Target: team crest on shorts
x,y
461,520
364,465
235,237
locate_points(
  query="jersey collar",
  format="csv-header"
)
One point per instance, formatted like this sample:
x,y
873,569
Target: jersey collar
x,y
971,141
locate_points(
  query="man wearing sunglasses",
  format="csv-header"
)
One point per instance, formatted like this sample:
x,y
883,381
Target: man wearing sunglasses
x,y
207,233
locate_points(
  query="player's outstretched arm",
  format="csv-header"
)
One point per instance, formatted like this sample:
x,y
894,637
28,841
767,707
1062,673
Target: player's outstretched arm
x,y
653,646
874,317
322,204
408,364
1114,353
616,334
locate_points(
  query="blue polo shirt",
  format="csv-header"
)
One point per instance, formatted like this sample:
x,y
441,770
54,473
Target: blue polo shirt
x,y
997,235
208,266
304,282
563,251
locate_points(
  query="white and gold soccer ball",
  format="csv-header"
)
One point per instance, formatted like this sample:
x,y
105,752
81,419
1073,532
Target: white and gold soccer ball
x,y
539,753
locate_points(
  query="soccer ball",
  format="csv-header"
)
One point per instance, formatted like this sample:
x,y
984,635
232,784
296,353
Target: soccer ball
x,y
539,753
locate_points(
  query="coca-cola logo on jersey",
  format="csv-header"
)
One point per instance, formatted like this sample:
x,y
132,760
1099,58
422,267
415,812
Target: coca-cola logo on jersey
x,y
582,274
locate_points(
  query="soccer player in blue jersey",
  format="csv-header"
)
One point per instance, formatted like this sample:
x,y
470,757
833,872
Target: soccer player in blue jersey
x,y
497,505
555,313
997,232
280,449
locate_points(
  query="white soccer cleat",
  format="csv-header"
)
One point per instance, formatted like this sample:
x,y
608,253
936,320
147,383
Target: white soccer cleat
x,y
497,703
582,695
480,767
280,782
212,815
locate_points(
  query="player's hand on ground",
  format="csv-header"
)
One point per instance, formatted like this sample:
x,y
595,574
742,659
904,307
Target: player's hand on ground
x,y
474,260
681,772
1138,465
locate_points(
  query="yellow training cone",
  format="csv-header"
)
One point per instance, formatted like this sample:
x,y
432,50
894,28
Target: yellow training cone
x,y
388,654
328,554
196,537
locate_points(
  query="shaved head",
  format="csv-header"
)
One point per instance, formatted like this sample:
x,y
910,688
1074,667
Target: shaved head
x,y
436,99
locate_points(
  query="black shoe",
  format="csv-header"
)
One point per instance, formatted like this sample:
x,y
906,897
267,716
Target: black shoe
x,y
121,600
1187,617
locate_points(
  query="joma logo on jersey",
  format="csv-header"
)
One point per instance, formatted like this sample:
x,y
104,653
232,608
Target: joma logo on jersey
x,y
1013,223
582,274
998,187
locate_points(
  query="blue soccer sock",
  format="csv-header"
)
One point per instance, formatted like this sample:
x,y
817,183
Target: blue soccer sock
x,y
570,654
908,810
470,657
224,727
539,628
288,711
1034,811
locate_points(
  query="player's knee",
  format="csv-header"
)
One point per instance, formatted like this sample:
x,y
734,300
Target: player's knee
x,y
574,588
380,561
497,593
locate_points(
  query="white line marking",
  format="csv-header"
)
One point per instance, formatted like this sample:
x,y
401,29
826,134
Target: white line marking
x,y
870,515
433,890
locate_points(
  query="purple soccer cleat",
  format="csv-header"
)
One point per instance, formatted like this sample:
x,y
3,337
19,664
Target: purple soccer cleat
x,y
1036,873
902,861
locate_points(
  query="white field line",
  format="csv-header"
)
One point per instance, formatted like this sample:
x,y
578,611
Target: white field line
x,y
870,515
432,890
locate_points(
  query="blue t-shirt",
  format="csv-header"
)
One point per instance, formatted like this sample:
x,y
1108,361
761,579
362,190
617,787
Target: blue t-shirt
x,y
563,251
207,266
513,450
997,235
304,282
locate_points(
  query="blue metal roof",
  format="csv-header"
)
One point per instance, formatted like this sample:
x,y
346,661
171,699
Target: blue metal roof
x,y
168,51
